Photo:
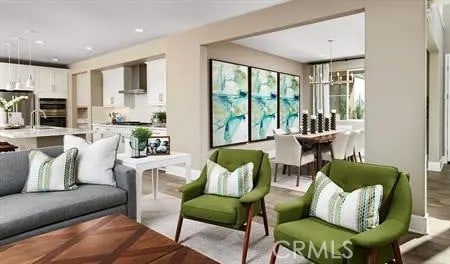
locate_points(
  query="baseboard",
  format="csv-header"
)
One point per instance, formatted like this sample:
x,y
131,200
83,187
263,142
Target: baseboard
x,y
437,165
419,224
181,172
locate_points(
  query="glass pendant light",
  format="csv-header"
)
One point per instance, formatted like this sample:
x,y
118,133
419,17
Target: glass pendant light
x,y
30,82
18,85
10,84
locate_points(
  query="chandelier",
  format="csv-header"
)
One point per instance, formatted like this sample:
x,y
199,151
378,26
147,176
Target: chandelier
x,y
321,80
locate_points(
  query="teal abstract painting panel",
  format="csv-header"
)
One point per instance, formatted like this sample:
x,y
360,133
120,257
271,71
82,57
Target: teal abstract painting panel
x,y
264,103
289,102
229,103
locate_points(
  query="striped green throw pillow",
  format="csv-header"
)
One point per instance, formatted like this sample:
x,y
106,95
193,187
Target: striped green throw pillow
x,y
358,210
220,181
48,174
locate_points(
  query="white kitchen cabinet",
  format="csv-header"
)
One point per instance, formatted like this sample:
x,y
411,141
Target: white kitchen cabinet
x,y
23,71
156,82
113,82
83,90
52,83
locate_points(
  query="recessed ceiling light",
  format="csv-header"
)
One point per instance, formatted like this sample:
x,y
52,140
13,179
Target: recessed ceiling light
x,y
140,30
88,48
321,55
55,59
40,42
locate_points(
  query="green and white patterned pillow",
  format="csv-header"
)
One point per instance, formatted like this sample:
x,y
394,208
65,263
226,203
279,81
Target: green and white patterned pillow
x,y
51,174
220,181
358,210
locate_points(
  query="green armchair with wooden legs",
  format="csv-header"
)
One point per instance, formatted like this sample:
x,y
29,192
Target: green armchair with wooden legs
x,y
235,213
378,245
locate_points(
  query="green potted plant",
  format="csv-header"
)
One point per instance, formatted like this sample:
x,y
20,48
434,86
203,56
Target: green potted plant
x,y
160,117
139,140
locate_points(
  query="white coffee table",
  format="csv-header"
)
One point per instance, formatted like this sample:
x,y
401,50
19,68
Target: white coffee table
x,y
151,163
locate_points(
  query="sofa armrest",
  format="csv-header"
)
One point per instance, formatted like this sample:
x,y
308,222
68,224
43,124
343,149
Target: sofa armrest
x,y
386,233
126,180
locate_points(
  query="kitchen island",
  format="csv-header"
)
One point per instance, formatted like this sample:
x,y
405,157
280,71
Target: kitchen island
x,y
44,136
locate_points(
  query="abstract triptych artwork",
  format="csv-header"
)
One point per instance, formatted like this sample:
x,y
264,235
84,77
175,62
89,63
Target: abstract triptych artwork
x,y
248,103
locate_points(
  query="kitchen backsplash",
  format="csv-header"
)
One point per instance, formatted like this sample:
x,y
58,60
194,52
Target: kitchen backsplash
x,y
141,112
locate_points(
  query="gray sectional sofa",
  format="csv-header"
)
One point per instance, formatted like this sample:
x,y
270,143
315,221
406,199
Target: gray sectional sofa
x,y
24,215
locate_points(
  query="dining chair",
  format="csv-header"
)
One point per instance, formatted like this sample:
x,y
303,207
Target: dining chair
x,y
350,148
280,131
359,143
289,152
344,127
338,147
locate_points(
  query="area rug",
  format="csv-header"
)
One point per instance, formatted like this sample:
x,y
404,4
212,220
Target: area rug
x,y
221,244
289,182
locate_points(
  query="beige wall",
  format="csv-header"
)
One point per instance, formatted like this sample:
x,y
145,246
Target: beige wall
x,y
436,48
395,51
239,54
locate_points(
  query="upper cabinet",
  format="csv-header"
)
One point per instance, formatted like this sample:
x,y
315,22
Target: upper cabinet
x,y
113,82
83,90
21,72
156,82
52,82
49,82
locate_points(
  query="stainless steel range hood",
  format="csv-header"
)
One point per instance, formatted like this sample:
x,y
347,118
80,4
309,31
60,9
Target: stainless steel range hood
x,y
137,76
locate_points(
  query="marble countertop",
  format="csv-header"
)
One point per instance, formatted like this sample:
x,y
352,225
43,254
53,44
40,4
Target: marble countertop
x,y
43,131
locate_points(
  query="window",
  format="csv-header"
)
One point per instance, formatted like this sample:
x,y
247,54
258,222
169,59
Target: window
x,y
348,98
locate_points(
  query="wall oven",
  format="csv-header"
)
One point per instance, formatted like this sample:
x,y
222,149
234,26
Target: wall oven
x,y
56,111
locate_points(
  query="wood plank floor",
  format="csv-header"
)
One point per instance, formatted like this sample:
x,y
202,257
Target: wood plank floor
x,y
433,248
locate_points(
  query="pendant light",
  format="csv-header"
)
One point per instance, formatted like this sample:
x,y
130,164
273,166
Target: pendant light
x,y
30,82
10,84
18,85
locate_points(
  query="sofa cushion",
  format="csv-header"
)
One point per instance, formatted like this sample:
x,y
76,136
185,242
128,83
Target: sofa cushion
x,y
14,169
314,232
352,175
231,159
26,211
213,208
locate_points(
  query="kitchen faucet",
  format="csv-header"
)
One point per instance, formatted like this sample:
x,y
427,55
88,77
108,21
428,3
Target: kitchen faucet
x,y
32,120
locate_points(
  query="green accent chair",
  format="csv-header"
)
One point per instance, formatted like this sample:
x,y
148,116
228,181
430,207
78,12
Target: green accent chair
x,y
235,213
378,245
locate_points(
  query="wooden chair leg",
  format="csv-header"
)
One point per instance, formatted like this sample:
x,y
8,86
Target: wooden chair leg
x,y
264,215
180,223
372,256
397,253
360,158
274,253
247,233
298,176
275,173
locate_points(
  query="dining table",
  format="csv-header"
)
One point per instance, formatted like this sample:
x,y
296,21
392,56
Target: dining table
x,y
317,140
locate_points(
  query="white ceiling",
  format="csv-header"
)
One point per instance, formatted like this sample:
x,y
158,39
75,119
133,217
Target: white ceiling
x,y
310,42
68,27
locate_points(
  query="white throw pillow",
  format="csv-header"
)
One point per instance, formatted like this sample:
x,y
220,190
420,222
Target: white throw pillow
x,y
222,182
95,161
358,210
51,174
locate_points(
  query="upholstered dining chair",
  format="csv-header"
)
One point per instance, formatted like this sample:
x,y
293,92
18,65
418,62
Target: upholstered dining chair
x,y
288,151
350,148
280,131
377,245
235,213
338,147
359,143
